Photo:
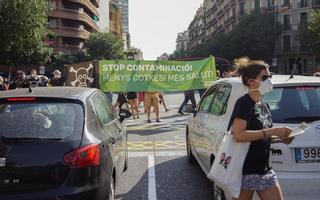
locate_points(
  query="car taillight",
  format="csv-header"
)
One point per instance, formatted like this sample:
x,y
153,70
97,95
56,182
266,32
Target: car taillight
x,y
21,99
84,157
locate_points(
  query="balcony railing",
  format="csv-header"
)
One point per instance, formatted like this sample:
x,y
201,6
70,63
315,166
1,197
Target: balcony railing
x,y
285,6
89,5
72,32
75,15
287,27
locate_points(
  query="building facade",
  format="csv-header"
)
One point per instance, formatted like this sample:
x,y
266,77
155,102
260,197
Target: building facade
x,y
182,42
197,29
74,20
124,6
216,16
115,18
213,17
292,55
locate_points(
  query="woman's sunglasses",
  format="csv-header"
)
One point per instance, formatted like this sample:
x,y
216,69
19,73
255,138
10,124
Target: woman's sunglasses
x,y
265,77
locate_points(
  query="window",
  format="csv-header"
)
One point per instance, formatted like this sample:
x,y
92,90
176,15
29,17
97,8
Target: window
x,y
286,22
303,18
102,109
256,4
286,2
294,104
41,120
206,101
52,23
219,104
303,3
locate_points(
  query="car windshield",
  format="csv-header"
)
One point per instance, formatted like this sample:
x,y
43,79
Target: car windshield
x,y
294,104
40,120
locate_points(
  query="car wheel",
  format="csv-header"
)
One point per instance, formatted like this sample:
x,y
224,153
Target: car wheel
x,y
190,155
112,190
217,193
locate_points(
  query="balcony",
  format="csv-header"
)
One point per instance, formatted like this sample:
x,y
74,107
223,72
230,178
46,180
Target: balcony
x,y
89,5
72,32
67,48
75,15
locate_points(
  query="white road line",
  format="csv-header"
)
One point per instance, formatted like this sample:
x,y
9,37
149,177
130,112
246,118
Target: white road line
x,y
152,189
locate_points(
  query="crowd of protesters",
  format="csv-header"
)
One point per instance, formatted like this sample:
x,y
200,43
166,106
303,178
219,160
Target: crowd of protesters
x,y
133,100
22,80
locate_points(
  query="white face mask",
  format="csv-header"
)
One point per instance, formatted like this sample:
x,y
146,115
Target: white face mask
x,y
266,86
57,76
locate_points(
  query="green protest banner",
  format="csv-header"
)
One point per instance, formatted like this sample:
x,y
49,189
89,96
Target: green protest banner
x,y
135,76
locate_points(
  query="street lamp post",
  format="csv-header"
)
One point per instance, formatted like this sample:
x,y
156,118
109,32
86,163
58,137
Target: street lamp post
x,y
275,60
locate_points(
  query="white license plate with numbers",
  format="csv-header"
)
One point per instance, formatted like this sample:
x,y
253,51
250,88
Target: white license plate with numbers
x,y
307,155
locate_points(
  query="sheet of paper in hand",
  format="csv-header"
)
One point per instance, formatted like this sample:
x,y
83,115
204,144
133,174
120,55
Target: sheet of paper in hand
x,y
299,129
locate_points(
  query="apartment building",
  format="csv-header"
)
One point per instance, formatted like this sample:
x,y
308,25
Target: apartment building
x,y
74,20
182,41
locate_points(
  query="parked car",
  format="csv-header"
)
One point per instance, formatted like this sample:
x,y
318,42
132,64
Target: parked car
x,y
60,143
293,100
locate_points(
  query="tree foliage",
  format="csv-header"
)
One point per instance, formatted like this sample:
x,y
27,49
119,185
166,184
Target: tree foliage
x,y
23,30
309,34
104,46
60,59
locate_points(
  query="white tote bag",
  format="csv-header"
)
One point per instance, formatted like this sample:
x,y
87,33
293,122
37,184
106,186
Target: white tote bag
x,y
226,171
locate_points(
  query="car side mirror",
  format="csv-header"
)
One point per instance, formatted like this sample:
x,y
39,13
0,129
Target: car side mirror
x,y
123,114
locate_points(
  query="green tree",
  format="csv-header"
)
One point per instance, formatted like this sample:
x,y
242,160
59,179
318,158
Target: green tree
x,y
60,59
309,34
23,31
104,46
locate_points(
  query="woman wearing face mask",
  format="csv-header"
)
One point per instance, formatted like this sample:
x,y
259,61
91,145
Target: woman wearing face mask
x,y
252,122
57,79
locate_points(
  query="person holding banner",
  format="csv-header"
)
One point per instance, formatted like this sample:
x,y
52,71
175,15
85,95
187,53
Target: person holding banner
x,y
152,99
188,95
133,101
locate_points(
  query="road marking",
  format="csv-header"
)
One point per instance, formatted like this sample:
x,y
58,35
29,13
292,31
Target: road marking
x,y
152,190
157,145
157,154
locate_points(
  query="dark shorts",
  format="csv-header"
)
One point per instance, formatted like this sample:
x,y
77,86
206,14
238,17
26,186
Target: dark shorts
x,y
259,182
132,95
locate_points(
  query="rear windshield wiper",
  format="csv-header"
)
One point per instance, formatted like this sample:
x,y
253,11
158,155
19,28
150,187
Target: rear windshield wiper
x,y
26,139
305,118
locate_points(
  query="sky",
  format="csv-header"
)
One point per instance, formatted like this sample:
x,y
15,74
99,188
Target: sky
x,y
155,24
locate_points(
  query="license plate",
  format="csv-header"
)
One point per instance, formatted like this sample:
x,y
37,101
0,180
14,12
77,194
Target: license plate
x,y
307,155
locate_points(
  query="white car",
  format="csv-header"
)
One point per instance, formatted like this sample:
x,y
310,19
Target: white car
x,y
293,101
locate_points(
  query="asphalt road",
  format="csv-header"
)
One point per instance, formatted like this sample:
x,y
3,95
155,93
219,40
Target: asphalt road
x,y
158,166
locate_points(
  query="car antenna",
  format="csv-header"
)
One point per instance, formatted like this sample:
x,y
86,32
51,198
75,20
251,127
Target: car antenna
x,y
30,90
